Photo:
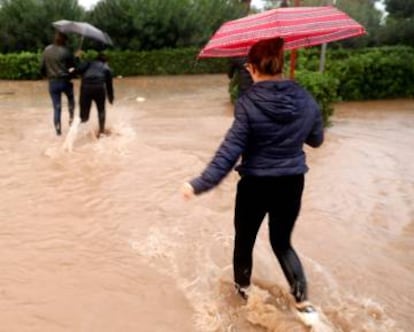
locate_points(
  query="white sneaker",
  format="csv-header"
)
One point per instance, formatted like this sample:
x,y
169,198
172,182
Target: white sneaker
x,y
243,291
307,313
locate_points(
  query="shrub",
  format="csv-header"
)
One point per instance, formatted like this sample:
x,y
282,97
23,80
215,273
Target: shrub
x,y
323,87
375,73
163,62
20,66
125,63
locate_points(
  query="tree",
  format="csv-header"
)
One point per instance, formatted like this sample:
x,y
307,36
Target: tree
x,y
399,27
400,8
246,4
26,25
132,24
365,13
156,24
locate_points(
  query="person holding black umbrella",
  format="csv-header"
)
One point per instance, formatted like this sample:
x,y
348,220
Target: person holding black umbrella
x,y
239,76
57,64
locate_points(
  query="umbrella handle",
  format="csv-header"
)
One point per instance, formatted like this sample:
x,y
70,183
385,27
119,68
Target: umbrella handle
x,y
81,42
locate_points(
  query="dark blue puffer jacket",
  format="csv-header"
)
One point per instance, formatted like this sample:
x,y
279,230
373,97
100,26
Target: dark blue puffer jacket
x,y
273,120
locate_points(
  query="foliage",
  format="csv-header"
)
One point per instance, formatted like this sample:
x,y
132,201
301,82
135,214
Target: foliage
x,y
23,65
323,87
156,24
124,63
375,73
163,62
25,25
400,8
367,73
398,32
399,28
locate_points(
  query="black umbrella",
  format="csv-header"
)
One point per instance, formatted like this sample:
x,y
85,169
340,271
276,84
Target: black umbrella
x,y
84,29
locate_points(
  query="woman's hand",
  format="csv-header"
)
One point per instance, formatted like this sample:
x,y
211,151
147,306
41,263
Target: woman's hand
x,y
187,191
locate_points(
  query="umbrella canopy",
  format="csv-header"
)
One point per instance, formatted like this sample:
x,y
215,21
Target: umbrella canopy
x,y
84,29
298,26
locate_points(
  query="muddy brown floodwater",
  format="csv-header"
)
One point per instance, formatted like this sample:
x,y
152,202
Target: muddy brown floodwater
x,y
98,239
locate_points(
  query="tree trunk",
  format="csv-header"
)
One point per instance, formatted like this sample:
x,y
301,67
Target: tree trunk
x,y
247,4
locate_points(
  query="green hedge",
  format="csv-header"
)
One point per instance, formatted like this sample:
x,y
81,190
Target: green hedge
x,y
375,73
366,73
126,63
164,62
20,66
323,88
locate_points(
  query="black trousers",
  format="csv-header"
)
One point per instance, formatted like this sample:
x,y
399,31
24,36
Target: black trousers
x,y
96,93
280,198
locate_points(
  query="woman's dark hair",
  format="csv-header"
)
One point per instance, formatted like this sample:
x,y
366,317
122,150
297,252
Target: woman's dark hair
x,y
267,56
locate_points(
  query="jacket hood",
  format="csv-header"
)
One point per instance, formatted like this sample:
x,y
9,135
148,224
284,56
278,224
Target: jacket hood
x,y
276,99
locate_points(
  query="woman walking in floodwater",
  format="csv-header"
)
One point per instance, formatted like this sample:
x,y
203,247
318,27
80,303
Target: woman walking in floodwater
x,y
273,121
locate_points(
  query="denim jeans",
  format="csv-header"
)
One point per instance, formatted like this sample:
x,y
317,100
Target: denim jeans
x,y
56,88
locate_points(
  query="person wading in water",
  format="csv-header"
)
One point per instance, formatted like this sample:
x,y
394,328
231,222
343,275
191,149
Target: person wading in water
x,y
273,121
58,64
96,85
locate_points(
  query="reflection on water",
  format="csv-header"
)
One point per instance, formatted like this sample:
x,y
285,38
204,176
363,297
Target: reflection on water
x,y
95,237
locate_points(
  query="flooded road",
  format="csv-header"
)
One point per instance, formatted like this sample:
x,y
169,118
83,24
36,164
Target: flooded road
x,y
98,239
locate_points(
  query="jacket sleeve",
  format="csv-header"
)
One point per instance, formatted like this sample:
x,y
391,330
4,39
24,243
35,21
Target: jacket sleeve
x,y
43,71
109,84
227,154
82,67
316,135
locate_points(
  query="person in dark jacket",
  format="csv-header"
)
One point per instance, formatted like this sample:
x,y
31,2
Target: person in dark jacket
x,y
57,63
240,78
273,121
96,85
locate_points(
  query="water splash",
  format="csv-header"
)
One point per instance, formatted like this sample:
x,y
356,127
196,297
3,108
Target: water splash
x,y
72,134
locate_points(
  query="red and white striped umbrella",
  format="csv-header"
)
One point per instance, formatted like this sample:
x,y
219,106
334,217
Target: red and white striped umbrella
x,y
298,26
